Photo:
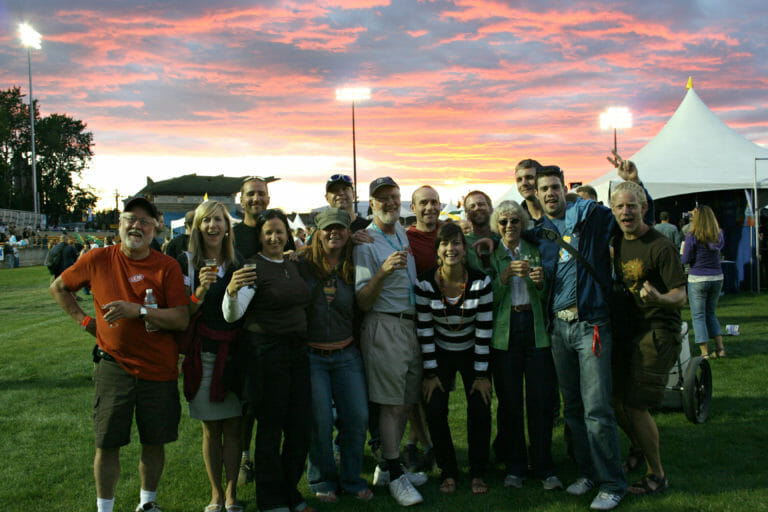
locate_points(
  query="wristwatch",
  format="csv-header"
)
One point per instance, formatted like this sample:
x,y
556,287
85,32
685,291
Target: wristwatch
x,y
142,312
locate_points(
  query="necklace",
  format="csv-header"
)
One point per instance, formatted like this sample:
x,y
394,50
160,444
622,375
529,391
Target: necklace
x,y
459,301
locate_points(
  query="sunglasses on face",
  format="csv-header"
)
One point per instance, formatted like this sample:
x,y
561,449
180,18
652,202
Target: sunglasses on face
x,y
513,222
271,213
340,177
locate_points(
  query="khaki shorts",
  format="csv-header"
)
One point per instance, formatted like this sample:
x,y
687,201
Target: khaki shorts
x,y
118,394
641,370
392,358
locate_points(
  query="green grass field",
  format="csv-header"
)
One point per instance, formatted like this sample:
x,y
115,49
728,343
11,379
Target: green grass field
x,y
46,442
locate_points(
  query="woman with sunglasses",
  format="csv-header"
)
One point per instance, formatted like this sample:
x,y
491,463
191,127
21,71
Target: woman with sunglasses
x,y
520,352
271,297
454,321
336,367
208,370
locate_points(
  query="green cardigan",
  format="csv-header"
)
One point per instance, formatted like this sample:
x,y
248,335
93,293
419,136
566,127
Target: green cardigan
x,y
502,298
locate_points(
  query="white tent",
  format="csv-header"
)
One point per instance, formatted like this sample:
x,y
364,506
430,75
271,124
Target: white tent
x,y
694,152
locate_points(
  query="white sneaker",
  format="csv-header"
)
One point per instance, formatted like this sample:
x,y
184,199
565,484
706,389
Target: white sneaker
x,y
605,501
380,477
580,487
551,483
404,492
513,481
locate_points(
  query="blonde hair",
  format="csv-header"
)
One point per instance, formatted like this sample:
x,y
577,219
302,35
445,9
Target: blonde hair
x,y
315,256
204,210
632,188
704,225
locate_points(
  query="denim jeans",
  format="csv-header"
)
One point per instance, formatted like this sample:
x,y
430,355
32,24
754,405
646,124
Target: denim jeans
x,y
523,366
585,381
478,415
703,297
337,378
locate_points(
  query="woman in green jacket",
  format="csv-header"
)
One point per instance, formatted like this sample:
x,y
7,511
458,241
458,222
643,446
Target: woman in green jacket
x,y
520,352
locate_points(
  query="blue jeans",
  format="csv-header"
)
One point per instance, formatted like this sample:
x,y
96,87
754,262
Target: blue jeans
x,y
337,378
703,297
585,381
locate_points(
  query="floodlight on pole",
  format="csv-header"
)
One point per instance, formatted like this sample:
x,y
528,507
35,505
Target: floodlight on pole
x,y
616,118
31,39
353,94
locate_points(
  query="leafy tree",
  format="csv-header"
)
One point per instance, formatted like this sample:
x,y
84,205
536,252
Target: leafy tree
x,y
64,150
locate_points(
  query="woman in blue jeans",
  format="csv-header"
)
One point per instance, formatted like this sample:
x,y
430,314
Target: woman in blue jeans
x,y
336,368
701,250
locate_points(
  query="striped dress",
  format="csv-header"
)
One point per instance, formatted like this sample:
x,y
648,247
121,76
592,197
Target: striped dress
x,y
455,327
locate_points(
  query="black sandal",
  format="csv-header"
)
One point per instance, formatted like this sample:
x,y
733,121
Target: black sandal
x,y
643,487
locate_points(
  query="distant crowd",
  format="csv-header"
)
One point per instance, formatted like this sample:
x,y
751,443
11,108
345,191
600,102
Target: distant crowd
x,y
327,339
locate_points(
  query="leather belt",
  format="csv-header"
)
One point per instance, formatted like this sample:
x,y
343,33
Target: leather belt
x,y
325,352
103,355
401,316
521,307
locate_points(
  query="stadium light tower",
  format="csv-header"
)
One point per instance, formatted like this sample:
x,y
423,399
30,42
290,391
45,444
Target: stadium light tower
x,y
616,118
353,94
31,39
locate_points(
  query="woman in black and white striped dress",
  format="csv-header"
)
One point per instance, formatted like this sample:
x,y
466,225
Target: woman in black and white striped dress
x,y
454,306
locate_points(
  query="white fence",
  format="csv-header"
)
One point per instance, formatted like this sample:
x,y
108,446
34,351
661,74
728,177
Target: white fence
x,y
22,219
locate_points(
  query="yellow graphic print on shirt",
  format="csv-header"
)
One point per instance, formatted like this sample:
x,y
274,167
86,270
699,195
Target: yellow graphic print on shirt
x,y
565,255
633,271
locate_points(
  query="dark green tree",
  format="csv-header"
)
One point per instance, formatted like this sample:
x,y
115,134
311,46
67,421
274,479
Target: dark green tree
x,y
64,150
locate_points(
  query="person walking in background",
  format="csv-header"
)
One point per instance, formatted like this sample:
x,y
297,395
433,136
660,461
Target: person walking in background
x,y
701,250
177,245
668,229
335,364
208,381
137,355
454,306
521,357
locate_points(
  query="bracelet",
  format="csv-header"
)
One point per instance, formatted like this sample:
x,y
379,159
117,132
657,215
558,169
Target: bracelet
x,y
86,320
194,299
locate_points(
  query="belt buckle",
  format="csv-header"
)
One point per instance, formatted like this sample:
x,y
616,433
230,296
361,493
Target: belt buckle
x,y
567,315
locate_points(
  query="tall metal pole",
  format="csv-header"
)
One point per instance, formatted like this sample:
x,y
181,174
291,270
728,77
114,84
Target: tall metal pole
x,y
32,130
615,145
354,157
756,210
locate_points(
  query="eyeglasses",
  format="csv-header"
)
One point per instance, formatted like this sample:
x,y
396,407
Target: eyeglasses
x,y
513,222
257,178
340,177
143,221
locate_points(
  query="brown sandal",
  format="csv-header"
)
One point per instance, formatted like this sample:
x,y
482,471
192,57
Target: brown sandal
x,y
448,486
479,486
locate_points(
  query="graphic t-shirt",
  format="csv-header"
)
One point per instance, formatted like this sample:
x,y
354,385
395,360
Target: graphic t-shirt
x,y
565,274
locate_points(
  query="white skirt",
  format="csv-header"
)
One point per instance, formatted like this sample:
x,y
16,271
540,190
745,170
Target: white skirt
x,y
201,407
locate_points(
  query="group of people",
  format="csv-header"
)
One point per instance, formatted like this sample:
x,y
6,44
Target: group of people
x,y
369,322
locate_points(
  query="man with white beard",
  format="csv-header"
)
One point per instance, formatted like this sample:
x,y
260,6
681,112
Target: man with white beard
x,y
385,273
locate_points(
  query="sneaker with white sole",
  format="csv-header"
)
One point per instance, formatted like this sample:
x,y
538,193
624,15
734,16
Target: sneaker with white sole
x,y
605,501
404,492
150,506
381,477
513,481
580,487
551,483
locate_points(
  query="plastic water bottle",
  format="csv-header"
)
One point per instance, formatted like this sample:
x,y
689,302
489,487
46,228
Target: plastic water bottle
x,y
150,302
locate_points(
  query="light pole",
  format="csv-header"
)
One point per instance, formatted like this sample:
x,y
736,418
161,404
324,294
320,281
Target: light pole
x,y
616,118
353,94
31,39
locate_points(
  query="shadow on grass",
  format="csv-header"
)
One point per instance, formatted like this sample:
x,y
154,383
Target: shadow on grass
x,y
73,382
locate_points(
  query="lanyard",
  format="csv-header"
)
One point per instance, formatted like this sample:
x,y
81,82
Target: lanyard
x,y
411,293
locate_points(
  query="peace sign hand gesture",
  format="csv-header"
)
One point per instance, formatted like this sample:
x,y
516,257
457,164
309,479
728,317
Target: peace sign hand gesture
x,y
626,168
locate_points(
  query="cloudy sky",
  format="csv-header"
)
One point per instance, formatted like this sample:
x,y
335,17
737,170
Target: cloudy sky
x,y
461,90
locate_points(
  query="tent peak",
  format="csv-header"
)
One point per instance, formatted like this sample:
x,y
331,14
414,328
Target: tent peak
x,y
689,85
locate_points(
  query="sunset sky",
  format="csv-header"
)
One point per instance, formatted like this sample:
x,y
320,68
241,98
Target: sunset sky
x,y
461,90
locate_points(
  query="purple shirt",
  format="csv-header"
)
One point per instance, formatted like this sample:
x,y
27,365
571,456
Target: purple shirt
x,y
704,259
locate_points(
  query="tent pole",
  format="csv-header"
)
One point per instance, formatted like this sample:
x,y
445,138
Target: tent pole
x,y
756,206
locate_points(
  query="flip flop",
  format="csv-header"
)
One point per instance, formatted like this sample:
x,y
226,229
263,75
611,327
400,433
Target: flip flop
x,y
479,486
448,486
643,487
213,507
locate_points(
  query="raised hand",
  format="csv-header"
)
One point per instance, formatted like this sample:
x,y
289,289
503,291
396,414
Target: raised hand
x,y
626,168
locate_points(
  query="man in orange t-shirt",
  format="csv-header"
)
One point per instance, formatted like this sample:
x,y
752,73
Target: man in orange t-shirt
x,y
137,366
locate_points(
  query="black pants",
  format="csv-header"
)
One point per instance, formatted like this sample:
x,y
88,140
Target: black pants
x,y
524,363
478,415
279,390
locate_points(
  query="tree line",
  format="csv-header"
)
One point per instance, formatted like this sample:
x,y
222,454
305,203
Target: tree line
x,y
63,148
